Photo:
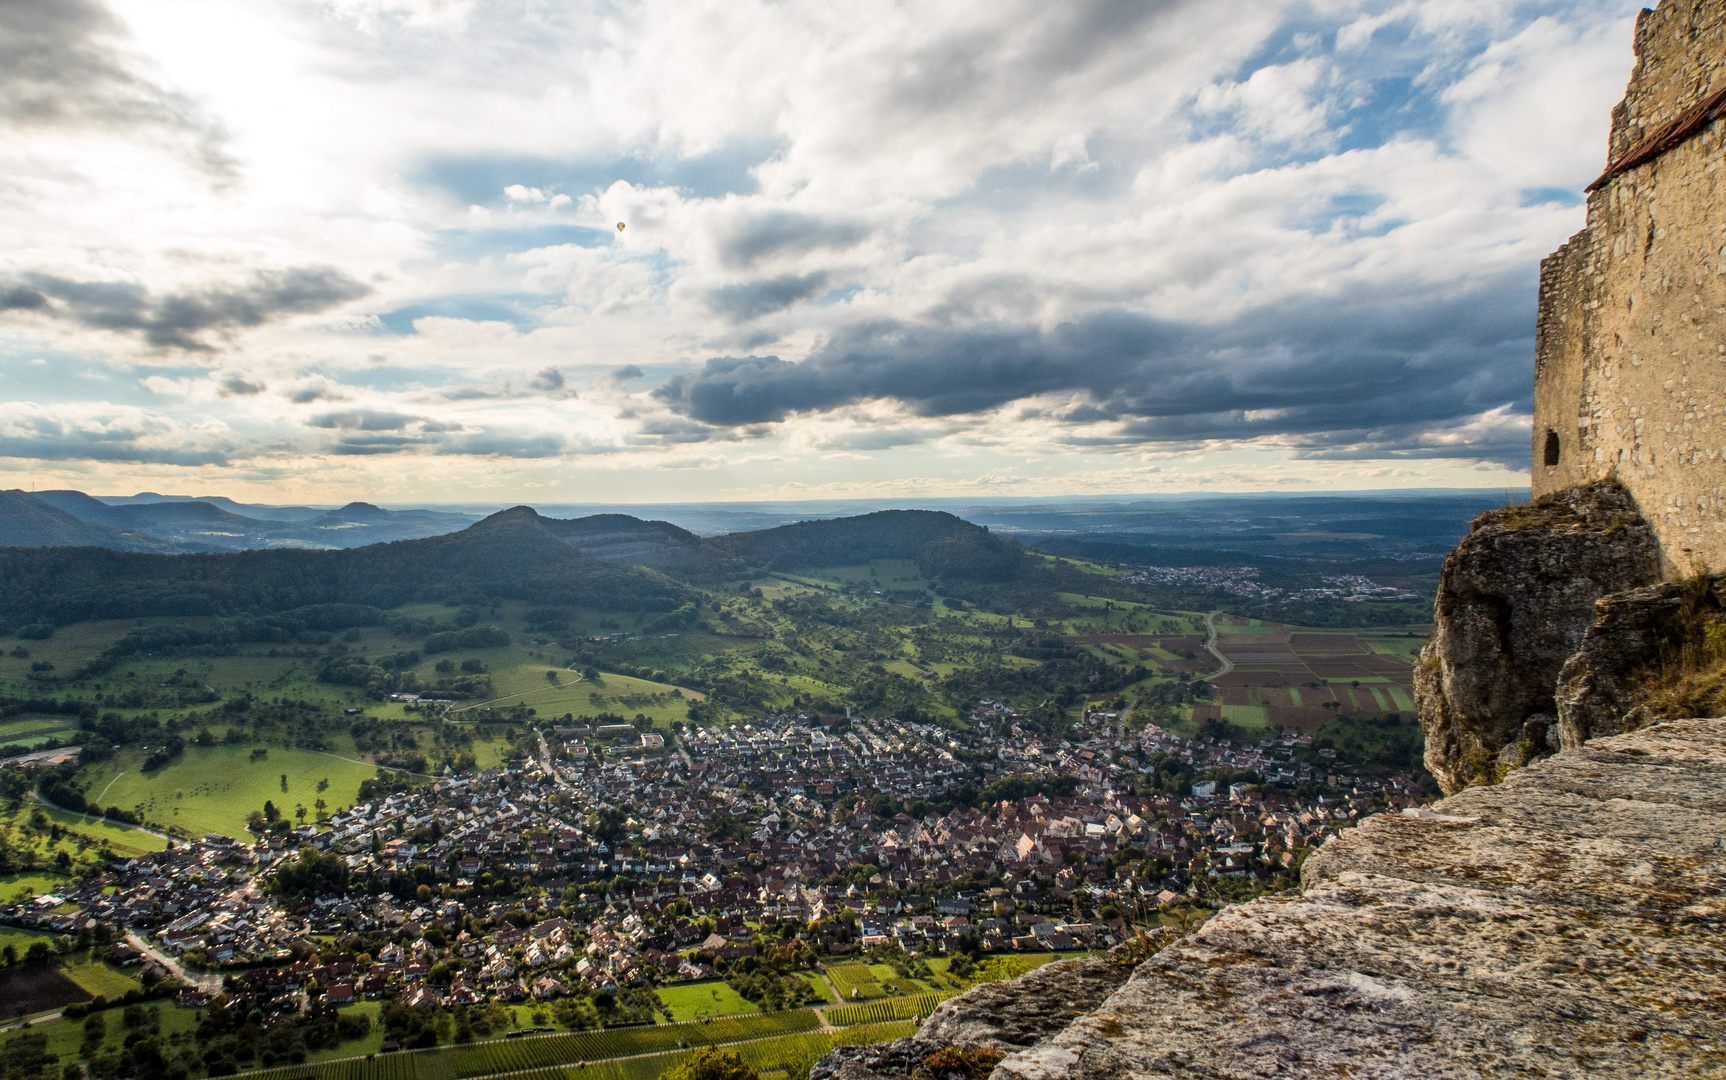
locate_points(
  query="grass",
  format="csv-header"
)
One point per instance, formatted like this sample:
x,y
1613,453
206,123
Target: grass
x,y
819,985
1249,716
65,1036
24,886
526,684
697,1001
213,789
21,940
99,977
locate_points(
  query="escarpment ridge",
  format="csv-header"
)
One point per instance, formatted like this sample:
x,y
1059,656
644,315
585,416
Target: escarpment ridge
x,y
1566,922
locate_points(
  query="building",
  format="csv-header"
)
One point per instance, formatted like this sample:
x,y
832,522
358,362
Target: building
x,y
1631,335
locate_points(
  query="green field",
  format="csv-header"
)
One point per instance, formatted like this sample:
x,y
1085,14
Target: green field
x,y
23,886
212,789
66,1036
526,684
819,985
99,977
697,1001
21,940
893,1009
1247,716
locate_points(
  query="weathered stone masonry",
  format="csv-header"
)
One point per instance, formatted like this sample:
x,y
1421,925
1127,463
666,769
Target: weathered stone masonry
x,y
1630,376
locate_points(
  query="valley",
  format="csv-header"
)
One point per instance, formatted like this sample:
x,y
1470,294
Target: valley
x,y
592,774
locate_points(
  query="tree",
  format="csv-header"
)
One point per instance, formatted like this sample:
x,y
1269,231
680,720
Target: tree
x,y
710,1063
284,781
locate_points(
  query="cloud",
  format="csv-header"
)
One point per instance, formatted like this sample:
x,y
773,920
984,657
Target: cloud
x,y
318,389
550,381
753,299
624,374
63,67
363,420
745,238
1365,364
179,320
236,384
103,432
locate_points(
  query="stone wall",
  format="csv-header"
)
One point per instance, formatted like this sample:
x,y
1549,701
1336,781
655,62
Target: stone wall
x,y
1630,377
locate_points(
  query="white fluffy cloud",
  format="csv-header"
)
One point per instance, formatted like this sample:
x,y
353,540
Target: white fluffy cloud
x,y
857,240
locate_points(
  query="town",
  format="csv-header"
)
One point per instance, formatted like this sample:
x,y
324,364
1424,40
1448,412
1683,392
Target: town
x,y
595,861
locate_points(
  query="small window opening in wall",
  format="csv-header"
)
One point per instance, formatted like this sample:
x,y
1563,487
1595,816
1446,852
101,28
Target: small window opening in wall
x,y
1552,447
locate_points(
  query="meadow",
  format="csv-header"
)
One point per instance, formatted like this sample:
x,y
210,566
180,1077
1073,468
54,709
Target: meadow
x,y
212,789
697,1001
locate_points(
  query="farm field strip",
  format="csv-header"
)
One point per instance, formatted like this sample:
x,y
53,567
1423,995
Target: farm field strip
x,y
785,1031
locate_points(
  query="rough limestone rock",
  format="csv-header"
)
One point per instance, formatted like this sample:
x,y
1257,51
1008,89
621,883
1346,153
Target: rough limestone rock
x,y
1595,692
1567,922
1004,1016
1513,602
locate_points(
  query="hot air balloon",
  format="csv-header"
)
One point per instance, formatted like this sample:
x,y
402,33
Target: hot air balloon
x,y
620,226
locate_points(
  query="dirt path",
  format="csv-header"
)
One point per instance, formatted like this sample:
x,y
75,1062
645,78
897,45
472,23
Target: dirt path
x,y
106,821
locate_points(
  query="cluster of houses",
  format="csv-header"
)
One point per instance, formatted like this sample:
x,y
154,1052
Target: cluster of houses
x,y
565,873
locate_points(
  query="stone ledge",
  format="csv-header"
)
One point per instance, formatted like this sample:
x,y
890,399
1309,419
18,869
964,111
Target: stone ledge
x,y
1567,922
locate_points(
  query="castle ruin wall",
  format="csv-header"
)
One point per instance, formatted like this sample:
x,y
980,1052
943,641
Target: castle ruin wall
x,y
1630,370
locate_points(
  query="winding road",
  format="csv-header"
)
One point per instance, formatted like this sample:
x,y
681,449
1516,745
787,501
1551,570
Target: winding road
x,y
1211,647
209,982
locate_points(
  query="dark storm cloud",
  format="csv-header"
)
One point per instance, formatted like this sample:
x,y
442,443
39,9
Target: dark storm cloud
x,y
179,320
1386,371
62,65
753,299
747,239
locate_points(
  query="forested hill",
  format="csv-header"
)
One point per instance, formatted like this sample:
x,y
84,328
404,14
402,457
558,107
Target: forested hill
x,y
514,554
25,520
944,547
599,562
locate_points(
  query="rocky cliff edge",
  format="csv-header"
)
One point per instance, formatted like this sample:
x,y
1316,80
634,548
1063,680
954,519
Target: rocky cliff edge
x,y
1567,922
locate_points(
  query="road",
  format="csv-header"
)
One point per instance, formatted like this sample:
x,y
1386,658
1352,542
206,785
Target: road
x,y
1211,647
208,981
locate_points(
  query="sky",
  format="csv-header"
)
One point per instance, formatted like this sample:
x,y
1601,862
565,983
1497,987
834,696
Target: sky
x,y
459,250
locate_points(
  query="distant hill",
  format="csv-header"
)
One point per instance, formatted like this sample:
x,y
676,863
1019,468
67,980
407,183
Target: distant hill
x,y
27,521
262,513
627,539
604,562
220,524
514,554
943,546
